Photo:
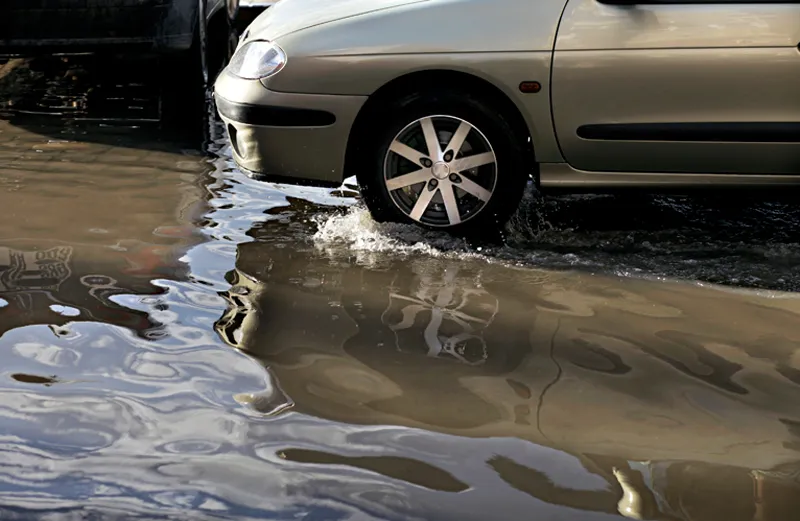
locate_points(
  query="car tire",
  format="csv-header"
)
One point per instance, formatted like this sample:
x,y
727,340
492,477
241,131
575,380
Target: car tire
x,y
459,201
188,75
221,39
232,8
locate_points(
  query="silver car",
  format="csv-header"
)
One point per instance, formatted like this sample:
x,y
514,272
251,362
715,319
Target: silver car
x,y
444,109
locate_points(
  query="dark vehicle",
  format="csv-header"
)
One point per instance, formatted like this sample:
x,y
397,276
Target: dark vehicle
x,y
198,34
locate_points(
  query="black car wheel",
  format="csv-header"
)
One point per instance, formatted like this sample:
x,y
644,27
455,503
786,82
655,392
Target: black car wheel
x,y
190,74
232,6
444,160
221,39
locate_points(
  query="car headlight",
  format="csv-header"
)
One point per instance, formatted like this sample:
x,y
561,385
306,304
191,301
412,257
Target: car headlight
x,y
257,59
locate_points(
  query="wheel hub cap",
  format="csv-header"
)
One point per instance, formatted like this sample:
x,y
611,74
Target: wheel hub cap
x,y
440,170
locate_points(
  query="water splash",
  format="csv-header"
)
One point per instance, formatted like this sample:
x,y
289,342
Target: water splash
x,y
357,231
751,244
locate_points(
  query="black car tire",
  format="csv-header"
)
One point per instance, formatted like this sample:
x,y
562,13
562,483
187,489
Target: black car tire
x,y
221,40
232,7
191,73
512,166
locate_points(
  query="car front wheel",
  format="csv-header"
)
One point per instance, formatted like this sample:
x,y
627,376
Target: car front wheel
x,y
443,160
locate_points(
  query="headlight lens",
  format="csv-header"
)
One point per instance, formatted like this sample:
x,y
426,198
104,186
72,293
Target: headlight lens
x,y
257,59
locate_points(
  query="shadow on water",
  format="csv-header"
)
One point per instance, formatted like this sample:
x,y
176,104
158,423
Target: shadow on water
x,y
103,99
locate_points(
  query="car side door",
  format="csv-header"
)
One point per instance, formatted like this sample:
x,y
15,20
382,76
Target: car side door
x,y
680,86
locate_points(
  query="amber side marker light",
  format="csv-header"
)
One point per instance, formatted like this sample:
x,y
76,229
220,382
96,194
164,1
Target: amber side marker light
x,y
530,87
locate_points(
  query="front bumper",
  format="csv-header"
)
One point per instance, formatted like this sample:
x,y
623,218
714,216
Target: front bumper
x,y
301,137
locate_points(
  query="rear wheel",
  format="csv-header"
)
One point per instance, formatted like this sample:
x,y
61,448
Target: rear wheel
x,y
189,74
443,160
232,7
222,36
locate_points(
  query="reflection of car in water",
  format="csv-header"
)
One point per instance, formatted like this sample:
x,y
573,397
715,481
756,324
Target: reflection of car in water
x,y
366,339
631,380
444,129
667,490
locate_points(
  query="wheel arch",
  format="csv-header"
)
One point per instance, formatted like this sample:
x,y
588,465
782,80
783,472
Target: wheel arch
x,y
409,83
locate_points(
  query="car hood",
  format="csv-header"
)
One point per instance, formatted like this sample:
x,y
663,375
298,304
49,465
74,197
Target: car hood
x,y
288,16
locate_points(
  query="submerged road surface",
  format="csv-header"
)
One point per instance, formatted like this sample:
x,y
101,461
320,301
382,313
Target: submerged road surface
x,y
181,342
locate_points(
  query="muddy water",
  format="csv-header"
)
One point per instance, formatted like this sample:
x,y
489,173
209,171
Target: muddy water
x,y
182,342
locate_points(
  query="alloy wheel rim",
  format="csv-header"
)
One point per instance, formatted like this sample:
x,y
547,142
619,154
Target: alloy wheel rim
x,y
440,171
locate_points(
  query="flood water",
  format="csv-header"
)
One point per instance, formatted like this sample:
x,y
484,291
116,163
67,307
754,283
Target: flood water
x,y
182,342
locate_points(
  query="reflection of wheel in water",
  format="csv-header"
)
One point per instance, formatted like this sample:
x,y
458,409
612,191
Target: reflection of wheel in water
x,y
456,316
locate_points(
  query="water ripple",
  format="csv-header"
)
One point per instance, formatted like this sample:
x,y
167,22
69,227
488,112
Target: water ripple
x,y
232,349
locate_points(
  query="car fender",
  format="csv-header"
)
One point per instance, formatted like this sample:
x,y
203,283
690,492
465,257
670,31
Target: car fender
x,y
359,55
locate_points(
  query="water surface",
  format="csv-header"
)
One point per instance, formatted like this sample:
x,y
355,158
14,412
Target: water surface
x,y
181,342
